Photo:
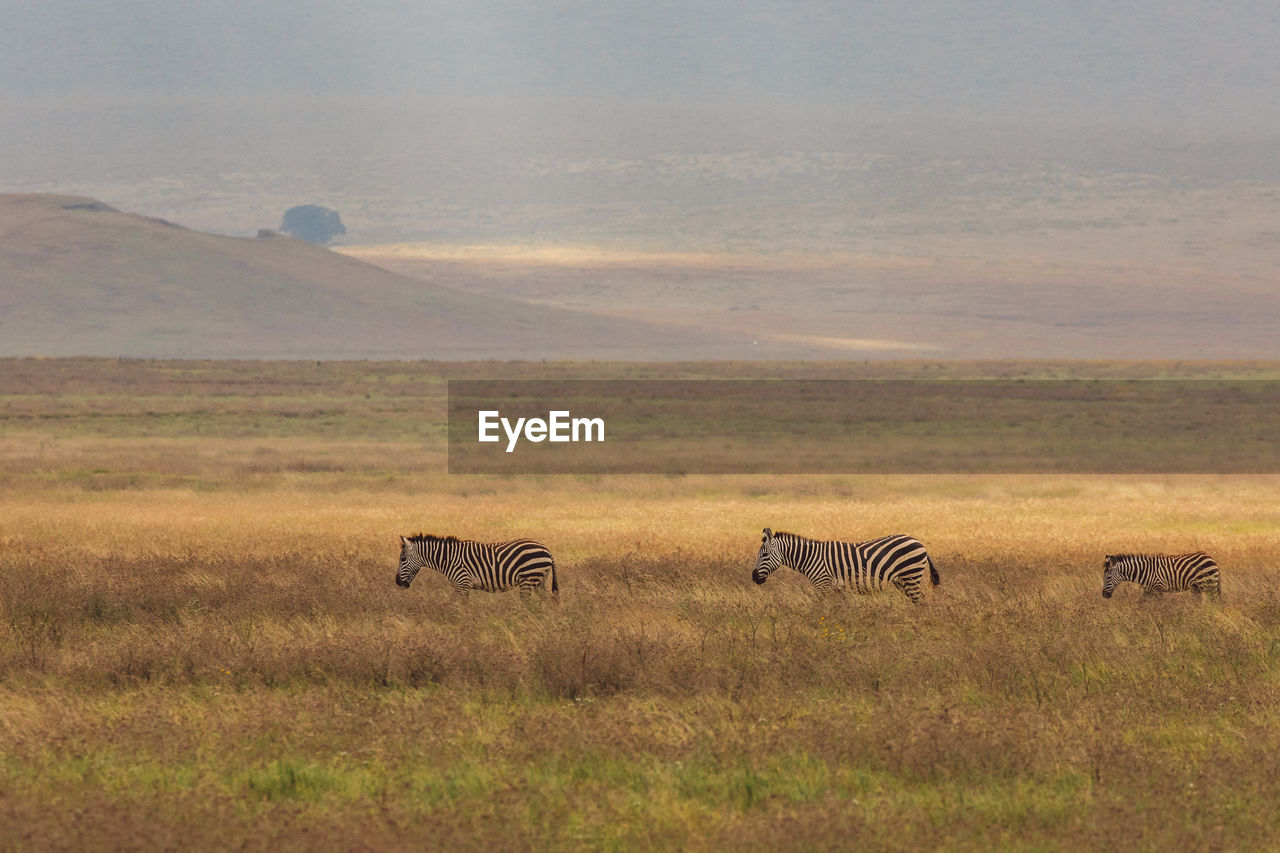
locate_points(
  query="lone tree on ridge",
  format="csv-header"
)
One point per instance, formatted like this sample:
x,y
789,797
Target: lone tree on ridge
x,y
312,223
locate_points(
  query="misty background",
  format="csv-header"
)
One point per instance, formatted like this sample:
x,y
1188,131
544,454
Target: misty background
x,y
717,126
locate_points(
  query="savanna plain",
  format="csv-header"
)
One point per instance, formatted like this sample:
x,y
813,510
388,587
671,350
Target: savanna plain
x,y
202,645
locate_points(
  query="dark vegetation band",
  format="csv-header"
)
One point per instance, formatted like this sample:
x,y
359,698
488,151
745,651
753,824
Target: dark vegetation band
x,y
835,426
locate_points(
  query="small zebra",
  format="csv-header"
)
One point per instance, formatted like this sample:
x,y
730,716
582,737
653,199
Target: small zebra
x,y
866,566
490,566
1158,573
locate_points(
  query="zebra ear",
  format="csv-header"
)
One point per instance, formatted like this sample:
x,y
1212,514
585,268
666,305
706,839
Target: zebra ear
x,y
767,533
404,541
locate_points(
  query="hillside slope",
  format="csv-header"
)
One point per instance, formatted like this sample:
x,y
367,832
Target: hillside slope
x,y
80,278
1107,292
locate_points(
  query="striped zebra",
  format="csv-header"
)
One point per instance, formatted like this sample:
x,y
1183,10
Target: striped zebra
x,y
491,566
866,566
1158,573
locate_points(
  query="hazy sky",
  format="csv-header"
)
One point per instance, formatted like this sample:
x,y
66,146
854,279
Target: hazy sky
x,y
188,107
1156,58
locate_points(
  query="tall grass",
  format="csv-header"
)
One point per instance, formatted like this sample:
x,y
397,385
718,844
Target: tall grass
x,y
161,693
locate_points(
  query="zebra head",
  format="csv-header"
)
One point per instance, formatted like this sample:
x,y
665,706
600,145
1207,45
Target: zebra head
x,y
410,562
1110,575
768,559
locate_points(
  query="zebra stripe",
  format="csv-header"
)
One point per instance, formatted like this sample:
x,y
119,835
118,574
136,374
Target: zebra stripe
x,y
1159,573
865,566
489,566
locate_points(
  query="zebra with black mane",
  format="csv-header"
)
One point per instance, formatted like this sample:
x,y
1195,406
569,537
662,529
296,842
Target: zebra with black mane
x,y
895,560
1160,573
521,564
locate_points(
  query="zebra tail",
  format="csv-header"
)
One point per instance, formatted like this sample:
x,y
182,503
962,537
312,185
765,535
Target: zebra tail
x,y
933,573
555,587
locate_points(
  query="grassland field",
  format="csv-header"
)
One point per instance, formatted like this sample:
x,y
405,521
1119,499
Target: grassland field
x,y
202,646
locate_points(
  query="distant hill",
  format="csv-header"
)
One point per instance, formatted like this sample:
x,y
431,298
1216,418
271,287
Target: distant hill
x,y
80,278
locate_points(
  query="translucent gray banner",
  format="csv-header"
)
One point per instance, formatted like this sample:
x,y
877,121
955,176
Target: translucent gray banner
x,y
790,426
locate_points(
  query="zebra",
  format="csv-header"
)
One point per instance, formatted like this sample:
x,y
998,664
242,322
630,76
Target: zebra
x,y
490,566
1156,573
866,566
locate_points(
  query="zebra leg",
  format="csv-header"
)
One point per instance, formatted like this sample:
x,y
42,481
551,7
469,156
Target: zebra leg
x,y
909,588
1152,592
1211,587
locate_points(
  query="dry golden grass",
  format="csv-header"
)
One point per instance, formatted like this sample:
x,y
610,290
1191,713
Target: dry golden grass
x,y
222,659
218,669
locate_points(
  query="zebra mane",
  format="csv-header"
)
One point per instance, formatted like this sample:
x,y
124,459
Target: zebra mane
x,y
431,537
